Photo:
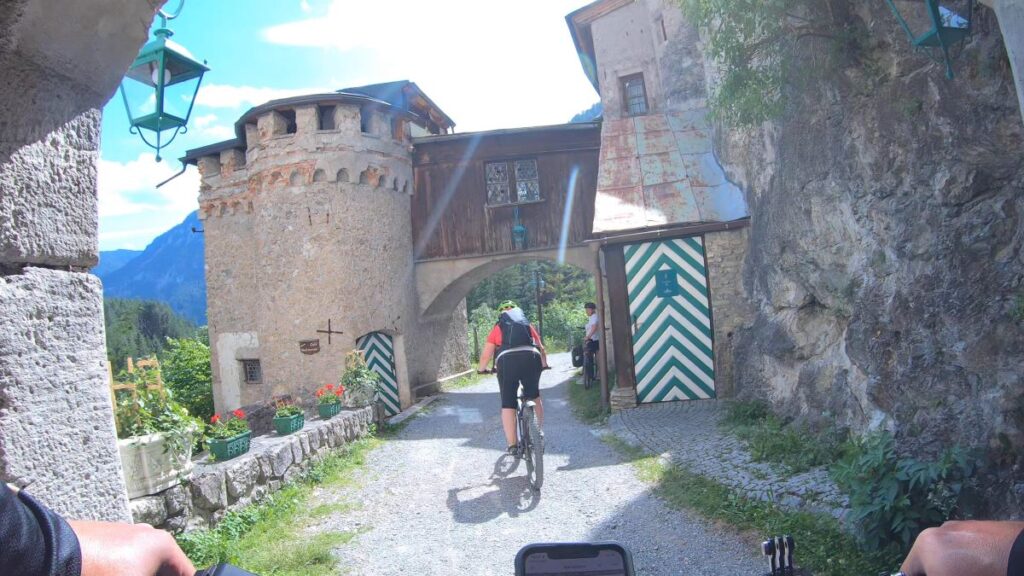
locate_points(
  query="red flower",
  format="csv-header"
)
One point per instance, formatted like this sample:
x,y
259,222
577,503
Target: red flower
x,y
319,393
330,386
215,418
238,413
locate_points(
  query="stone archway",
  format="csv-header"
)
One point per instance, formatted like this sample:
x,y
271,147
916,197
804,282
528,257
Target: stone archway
x,y
442,284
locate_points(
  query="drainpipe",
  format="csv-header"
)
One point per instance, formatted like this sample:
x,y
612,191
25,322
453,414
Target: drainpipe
x,y
602,357
1010,14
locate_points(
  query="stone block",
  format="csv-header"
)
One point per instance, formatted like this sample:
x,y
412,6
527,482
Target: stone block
x,y
48,199
149,510
296,448
314,441
280,459
209,491
306,448
177,500
274,485
55,415
266,469
176,524
241,478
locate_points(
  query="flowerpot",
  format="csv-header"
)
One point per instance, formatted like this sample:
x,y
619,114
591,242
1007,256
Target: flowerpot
x,y
228,448
328,410
289,424
155,462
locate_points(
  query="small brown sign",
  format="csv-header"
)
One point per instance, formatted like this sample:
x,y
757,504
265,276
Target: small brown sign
x,y
309,346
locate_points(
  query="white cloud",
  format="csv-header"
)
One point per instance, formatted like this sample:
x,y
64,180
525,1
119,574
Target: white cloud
x,y
488,64
130,204
226,96
305,7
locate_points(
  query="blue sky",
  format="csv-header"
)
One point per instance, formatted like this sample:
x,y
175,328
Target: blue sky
x,y
487,63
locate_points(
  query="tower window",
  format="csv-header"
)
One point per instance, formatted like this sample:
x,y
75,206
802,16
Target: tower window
x,y
634,95
252,371
325,117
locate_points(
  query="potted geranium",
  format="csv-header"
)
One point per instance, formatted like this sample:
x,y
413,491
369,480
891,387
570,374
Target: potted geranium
x,y
328,400
288,418
155,436
359,380
228,437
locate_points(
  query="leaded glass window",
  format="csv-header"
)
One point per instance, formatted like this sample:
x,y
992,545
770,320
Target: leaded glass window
x,y
634,95
512,182
497,183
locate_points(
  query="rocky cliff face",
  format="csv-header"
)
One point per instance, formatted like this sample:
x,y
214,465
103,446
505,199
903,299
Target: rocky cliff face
x,y
886,253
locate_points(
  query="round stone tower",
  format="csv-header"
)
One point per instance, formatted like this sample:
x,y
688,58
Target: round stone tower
x,y
308,244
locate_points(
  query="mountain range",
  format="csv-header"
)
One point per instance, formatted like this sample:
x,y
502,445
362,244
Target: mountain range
x,y
169,270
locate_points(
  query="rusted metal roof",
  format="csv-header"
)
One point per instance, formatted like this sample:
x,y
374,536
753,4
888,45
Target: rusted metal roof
x,y
660,169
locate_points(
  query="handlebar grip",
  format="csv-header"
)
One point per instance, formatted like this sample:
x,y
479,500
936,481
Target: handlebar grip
x,y
224,570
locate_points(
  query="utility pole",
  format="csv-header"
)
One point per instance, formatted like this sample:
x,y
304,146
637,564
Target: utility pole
x,y
540,307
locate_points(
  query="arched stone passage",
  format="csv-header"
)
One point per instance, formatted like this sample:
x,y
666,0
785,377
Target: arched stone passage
x,y
442,284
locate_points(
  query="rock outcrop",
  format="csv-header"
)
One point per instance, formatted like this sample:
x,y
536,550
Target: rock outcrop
x,y
886,256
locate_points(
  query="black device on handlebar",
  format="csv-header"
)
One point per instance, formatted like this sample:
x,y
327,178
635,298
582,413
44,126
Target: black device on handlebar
x,y
224,570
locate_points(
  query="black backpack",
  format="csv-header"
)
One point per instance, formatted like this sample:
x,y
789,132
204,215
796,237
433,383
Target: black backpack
x,y
515,329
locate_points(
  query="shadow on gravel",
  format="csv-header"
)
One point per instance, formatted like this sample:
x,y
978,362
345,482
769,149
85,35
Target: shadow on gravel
x,y
479,503
474,418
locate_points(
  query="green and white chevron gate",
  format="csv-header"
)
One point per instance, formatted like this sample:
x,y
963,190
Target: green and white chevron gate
x,y
668,304
379,351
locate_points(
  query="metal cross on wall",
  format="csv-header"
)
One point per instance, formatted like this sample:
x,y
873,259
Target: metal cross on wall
x,y
329,331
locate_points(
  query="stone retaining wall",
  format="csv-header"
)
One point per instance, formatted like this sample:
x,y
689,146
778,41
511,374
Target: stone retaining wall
x,y
272,461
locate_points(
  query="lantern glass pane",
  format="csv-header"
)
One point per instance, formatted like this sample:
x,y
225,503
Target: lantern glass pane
x,y
141,98
178,98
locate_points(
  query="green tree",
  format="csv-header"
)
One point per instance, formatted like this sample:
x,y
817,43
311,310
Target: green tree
x,y
754,42
140,328
186,372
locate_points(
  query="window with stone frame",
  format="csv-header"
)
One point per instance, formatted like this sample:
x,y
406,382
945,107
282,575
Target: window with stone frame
x,y
252,371
512,182
634,95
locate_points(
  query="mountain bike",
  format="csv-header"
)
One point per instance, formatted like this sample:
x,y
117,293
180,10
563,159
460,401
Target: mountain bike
x,y
530,444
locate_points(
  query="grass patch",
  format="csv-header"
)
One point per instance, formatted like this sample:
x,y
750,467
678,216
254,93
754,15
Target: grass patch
x,y
774,440
268,538
463,382
822,546
586,404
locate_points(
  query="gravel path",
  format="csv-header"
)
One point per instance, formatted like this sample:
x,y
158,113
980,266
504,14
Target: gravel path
x,y
689,435
440,498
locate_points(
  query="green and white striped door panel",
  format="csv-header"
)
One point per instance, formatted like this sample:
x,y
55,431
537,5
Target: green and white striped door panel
x,y
673,351
379,351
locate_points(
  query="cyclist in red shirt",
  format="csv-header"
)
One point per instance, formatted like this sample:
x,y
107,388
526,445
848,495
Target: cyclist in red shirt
x,y
516,365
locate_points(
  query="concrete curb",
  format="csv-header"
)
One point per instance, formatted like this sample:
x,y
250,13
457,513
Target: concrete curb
x,y
412,410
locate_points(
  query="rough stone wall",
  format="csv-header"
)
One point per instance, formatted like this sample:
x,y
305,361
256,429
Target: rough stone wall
x,y
314,226
60,63
886,259
730,308
215,488
441,349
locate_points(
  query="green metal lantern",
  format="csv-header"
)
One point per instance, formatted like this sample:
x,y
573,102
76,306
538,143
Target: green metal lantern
x,y
946,25
518,233
160,87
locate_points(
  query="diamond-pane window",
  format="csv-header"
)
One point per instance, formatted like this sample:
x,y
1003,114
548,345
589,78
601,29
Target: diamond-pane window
x,y
512,182
634,95
253,372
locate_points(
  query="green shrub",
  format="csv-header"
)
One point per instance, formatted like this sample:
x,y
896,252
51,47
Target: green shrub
x,y
772,439
892,499
186,372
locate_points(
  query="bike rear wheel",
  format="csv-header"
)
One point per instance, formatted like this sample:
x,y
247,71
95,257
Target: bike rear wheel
x,y
534,443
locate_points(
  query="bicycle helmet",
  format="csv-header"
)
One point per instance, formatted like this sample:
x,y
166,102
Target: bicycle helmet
x,y
506,305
